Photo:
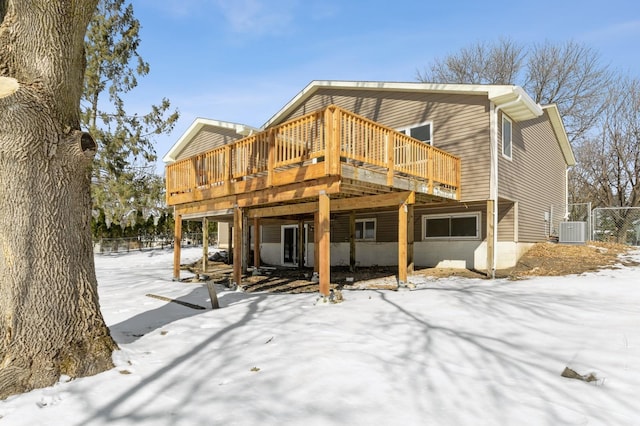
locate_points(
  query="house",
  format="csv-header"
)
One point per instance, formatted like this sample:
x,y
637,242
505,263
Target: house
x,y
378,173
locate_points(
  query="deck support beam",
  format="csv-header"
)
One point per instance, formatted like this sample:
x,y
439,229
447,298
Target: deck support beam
x,y
237,245
205,244
177,242
324,245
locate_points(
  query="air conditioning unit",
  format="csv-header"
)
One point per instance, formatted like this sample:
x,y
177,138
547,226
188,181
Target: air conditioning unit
x,y
573,233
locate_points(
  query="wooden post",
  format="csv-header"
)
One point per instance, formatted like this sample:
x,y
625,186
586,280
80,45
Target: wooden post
x,y
352,241
271,158
230,243
237,245
390,158
328,135
300,243
402,244
316,242
410,238
430,170
490,233
193,173
205,244
459,180
213,295
324,246
177,241
227,169
332,138
334,151
256,243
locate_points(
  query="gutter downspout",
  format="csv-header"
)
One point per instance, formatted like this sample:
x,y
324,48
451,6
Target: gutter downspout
x,y
493,180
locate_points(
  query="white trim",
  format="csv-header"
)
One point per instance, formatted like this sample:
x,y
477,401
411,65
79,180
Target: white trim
x,y
295,244
375,228
475,215
561,134
516,222
507,119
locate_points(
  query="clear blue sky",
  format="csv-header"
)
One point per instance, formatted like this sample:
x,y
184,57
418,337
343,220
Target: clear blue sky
x,y
242,60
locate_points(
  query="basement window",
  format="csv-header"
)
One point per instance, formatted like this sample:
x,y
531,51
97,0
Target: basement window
x,y
452,226
366,229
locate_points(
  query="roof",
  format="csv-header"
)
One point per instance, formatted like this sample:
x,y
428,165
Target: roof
x,y
196,126
561,134
512,99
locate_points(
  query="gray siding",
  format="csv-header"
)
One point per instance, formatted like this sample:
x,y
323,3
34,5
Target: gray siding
x,y
387,223
270,233
386,226
208,138
460,124
535,177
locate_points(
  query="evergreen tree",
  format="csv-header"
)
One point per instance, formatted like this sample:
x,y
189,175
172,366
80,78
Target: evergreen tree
x,y
124,180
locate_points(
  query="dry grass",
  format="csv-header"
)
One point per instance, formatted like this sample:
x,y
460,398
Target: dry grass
x,y
550,259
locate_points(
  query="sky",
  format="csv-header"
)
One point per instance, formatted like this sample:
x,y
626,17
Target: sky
x,y
243,60
454,351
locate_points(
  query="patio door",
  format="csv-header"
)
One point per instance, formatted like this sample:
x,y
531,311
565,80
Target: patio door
x,y
289,245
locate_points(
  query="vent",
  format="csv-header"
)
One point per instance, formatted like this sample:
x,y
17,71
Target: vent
x,y
573,232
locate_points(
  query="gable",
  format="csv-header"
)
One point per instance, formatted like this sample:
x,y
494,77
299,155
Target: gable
x,y
205,134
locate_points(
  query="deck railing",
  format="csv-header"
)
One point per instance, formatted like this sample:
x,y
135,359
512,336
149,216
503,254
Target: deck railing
x,y
333,136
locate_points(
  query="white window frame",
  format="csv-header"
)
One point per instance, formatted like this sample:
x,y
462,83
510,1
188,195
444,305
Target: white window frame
x,y
475,215
375,228
506,119
295,245
407,130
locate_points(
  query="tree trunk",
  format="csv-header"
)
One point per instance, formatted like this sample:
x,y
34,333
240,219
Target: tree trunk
x,y
50,322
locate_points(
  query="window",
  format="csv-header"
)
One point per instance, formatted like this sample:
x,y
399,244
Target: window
x,y
366,229
459,226
506,137
423,132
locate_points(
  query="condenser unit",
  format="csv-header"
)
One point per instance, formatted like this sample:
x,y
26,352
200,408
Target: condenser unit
x,y
573,232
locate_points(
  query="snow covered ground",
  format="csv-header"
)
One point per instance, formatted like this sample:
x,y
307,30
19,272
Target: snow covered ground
x,y
451,352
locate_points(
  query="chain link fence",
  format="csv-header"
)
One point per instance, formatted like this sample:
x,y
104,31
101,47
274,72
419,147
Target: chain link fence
x,y
156,242
578,212
616,225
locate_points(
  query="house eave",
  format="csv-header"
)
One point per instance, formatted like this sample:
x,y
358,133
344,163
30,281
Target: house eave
x,y
561,134
524,109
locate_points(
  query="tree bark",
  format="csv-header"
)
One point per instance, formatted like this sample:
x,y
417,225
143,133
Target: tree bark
x,y
50,322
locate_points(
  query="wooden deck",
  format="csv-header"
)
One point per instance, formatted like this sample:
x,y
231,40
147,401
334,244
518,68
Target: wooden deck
x,y
332,150
327,161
